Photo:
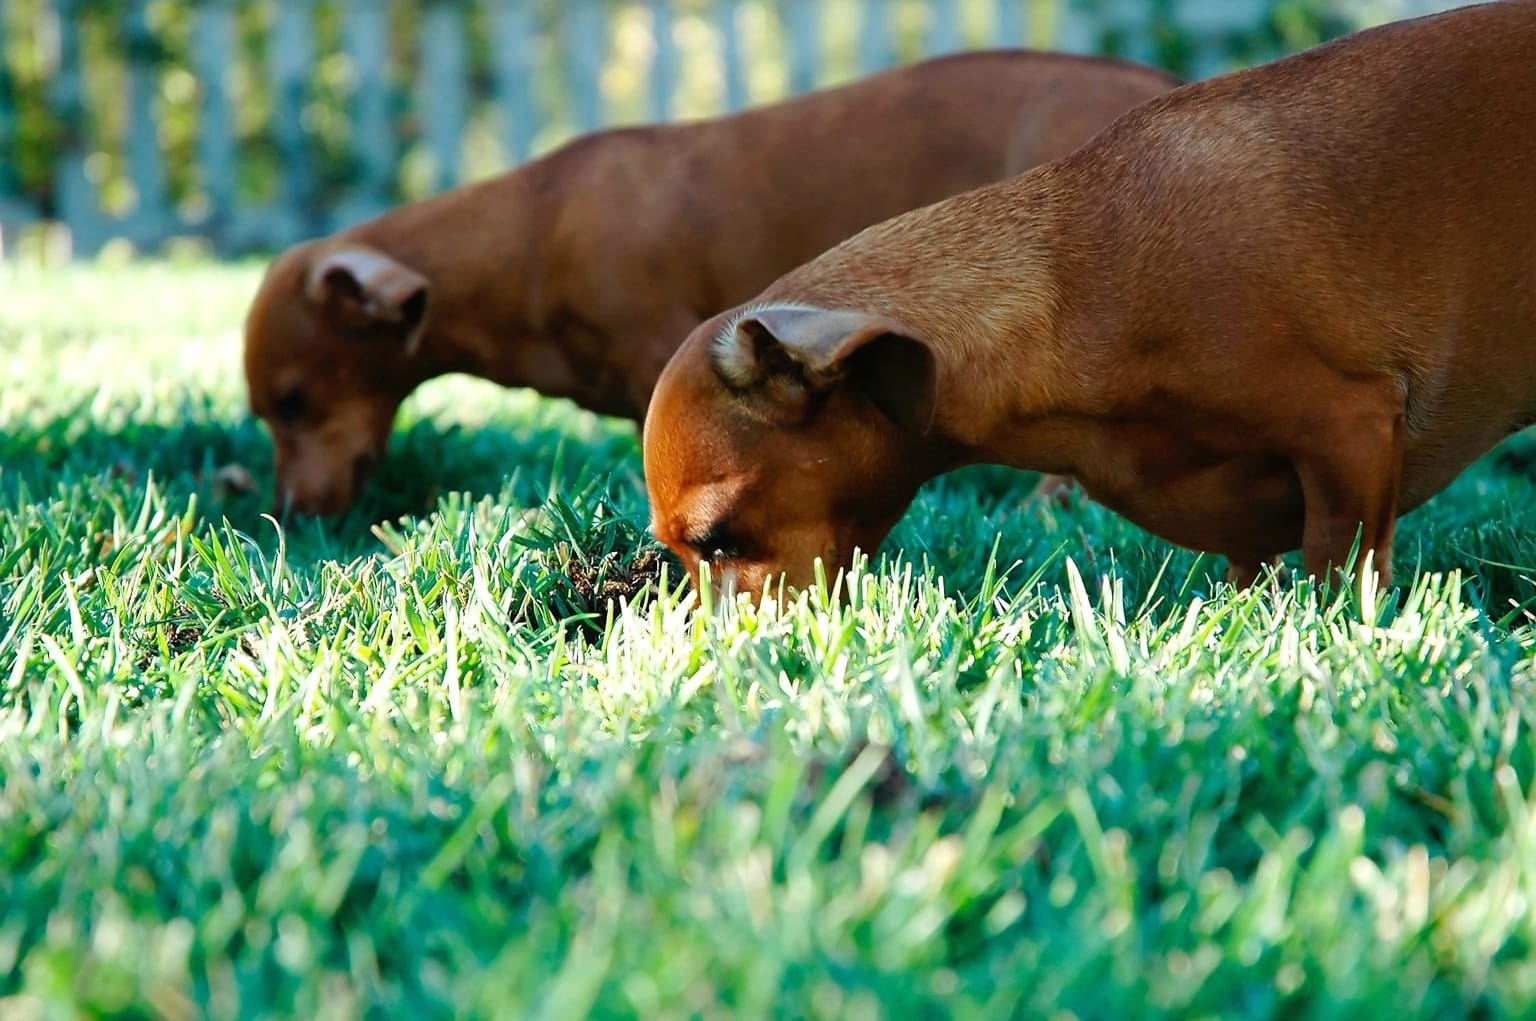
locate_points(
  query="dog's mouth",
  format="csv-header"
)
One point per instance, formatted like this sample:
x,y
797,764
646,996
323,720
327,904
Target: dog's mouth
x,y
290,503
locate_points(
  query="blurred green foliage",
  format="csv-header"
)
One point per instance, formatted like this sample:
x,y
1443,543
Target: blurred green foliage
x,y
38,124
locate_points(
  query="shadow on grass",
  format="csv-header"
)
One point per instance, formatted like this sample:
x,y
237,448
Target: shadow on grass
x,y
73,456
1483,526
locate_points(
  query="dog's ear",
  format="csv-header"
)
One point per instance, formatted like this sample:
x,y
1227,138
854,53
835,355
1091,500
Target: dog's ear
x,y
363,289
791,356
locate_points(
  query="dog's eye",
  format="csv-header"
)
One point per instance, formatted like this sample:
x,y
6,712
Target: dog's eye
x,y
290,405
719,543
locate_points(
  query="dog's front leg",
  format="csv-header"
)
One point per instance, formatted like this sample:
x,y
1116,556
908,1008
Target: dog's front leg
x,y
1245,571
1349,486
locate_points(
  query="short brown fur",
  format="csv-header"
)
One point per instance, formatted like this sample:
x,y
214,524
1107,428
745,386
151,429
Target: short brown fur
x,y
1270,310
580,273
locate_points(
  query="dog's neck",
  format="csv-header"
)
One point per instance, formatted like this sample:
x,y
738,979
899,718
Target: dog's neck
x,y
990,310
493,311
1019,354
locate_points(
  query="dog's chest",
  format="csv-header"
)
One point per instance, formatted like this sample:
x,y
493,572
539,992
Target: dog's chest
x,y
1221,496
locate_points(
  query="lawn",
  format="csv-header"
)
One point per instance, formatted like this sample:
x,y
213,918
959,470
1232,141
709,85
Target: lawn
x,y
470,752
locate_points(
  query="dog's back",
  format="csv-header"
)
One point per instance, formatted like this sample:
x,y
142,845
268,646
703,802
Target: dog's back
x,y
1372,199
793,179
657,224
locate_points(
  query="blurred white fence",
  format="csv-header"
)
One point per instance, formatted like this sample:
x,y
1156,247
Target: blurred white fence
x,y
252,123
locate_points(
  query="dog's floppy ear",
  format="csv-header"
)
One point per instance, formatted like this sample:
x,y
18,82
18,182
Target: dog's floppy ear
x,y
791,355
364,288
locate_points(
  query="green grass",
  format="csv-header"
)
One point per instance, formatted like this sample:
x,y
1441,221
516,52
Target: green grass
x,y
429,771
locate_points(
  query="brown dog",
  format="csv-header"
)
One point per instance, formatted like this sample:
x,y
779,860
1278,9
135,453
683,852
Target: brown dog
x,y
1264,311
580,273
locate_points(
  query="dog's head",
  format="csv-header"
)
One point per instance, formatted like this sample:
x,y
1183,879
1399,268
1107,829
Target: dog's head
x,y
782,434
330,344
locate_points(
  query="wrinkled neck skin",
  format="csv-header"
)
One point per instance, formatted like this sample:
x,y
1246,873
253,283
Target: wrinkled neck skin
x,y
495,309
